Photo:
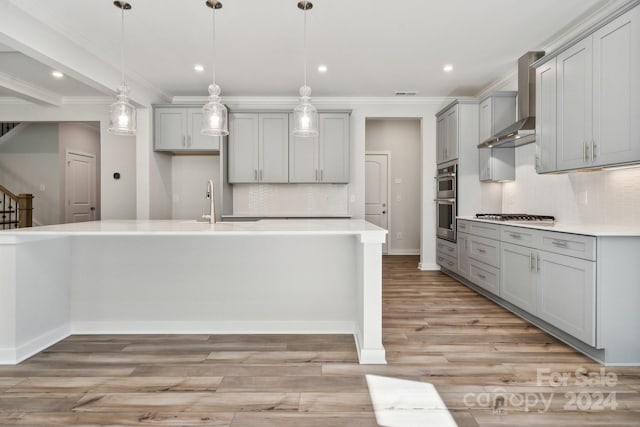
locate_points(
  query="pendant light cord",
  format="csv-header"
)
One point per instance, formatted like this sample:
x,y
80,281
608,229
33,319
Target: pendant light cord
x,y
122,46
305,43
214,45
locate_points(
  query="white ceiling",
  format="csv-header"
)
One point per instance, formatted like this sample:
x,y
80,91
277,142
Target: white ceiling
x,y
372,47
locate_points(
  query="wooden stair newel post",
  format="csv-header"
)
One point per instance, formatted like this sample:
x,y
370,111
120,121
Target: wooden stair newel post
x,y
25,206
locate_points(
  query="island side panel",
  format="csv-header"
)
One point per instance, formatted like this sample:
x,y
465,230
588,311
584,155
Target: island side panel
x,y
369,301
37,302
214,284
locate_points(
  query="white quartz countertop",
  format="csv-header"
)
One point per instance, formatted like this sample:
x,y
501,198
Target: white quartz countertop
x,y
192,228
598,230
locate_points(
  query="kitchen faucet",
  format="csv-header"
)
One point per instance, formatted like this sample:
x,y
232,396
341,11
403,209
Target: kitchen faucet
x,y
212,211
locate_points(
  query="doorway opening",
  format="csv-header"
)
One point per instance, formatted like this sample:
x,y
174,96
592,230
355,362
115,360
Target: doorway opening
x,y
393,181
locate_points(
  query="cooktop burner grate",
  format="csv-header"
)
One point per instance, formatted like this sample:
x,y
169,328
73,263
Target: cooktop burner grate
x,y
516,217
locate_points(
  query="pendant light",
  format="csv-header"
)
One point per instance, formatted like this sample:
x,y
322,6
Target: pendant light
x,y
214,114
122,115
305,115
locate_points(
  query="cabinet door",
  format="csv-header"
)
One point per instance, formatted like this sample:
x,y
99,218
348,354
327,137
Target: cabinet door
x,y
274,148
452,133
575,89
486,123
195,139
463,255
616,91
441,138
243,158
334,148
519,284
546,110
170,128
567,297
484,164
303,159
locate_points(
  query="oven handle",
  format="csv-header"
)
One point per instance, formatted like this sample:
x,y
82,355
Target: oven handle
x,y
445,175
445,200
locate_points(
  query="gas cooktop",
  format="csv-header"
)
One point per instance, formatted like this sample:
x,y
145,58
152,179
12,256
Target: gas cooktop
x,y
540,219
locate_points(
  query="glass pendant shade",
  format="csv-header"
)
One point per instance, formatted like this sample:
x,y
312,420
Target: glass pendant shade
x,y
305,115
122,115
214,115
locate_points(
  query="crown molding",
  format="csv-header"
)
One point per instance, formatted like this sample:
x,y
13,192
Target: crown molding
x,y
12,100
29,91
290,101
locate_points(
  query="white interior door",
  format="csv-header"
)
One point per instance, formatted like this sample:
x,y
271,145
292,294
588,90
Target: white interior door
x,y
376,191
81,187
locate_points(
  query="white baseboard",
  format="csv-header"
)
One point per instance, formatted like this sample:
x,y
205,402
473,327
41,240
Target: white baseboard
x,y
214,327
13,356
403,252
428,267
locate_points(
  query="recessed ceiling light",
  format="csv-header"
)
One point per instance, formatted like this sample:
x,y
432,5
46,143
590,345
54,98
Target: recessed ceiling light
x,y
199,68
57,74
322,68
448,68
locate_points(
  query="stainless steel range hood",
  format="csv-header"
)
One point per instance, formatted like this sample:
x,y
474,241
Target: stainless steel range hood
x,y
523,131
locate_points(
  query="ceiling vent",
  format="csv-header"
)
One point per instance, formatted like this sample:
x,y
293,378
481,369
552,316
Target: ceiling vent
x,y
406,93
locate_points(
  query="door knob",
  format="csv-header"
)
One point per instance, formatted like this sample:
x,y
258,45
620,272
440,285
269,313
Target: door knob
x,y
384,212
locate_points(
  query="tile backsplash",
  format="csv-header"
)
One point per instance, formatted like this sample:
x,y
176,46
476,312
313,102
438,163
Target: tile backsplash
x,y
598,197
290,199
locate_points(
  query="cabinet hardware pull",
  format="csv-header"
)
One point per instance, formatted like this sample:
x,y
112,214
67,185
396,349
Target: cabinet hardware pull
x,y
482,276
538,263
189,141
515,236
482,251
450,249
321,174
450,264
260,174
184,140
530,261
560,243
255,174
593,150
462,226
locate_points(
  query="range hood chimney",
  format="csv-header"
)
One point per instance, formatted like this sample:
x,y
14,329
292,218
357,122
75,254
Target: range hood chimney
x,y
524,130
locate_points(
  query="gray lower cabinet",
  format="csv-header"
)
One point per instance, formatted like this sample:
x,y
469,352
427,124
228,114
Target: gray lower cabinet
x,y
177,129
519,278
464,268
322,159
258,148
567,294
447,254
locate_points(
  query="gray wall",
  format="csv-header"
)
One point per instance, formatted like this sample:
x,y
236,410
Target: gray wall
x,y
402,138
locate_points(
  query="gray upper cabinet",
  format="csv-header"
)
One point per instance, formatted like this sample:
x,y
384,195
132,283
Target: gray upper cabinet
x,y
546,110
616,91
324,159
258,148
575,102
447,134
597,100
497,111
177,129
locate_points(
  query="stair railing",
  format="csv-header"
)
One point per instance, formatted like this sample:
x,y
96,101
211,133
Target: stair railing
x,y
16,211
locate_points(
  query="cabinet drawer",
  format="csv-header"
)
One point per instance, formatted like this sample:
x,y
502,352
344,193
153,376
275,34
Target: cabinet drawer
x,y
446,261
485,276
574,245
521,236
482,229
446,247
485,250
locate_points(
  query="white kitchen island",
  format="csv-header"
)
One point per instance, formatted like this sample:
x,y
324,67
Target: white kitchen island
x,y
184,277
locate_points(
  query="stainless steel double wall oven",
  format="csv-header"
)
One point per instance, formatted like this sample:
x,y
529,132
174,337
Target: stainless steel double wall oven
x,y
446,198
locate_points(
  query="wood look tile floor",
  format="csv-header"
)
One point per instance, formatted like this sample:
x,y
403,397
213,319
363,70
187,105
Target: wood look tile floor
x,y
482,360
